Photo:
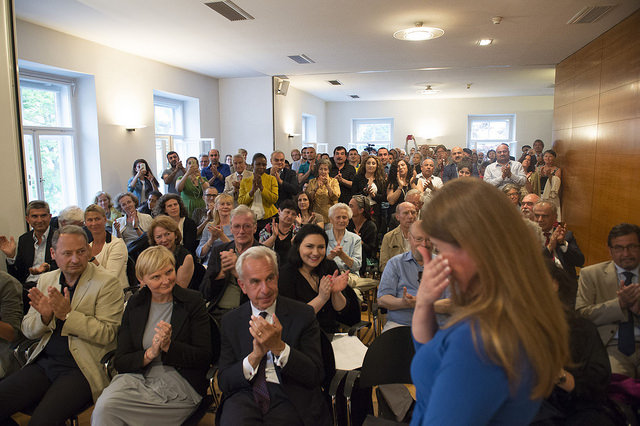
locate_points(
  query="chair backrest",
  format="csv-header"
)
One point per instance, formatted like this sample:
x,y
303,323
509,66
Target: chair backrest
x,y
328,360
388,359
216,340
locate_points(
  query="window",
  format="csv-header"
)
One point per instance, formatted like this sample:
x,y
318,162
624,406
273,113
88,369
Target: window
x,y
169,129
486,132
47,103
309,129
371,132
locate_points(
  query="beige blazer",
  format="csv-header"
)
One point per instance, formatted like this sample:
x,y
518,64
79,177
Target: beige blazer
x,y
392,245
597,299
91,326
113,258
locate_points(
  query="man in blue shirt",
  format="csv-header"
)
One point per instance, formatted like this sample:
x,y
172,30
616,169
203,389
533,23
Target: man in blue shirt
x,y
217,172
307,169
400,281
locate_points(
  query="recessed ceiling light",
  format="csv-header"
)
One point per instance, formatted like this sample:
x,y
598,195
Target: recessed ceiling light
x,y
485,42
428,91
418,33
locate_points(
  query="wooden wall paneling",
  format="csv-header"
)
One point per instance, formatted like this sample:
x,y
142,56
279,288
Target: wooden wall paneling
x,y
587,83
563,93
621,103
566,69
585,112
589,56
621,69
618,38
562,117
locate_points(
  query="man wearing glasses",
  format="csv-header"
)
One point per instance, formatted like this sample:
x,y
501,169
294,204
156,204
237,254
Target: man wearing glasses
x,y
220,283
609,296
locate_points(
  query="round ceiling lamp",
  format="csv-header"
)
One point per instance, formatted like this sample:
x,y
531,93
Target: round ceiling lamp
x,y
428,91
418,33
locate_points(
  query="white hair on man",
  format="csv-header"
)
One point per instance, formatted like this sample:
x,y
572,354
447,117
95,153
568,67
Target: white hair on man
x,y
258,252
72,215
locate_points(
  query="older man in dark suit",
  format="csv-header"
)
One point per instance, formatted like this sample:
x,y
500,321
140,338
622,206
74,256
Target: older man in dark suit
x,y
287,178
271,364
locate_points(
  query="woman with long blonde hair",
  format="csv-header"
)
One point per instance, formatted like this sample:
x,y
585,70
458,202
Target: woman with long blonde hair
x,y
504,346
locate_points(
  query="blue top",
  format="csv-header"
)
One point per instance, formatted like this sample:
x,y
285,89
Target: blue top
x,y
304,168
351,245
457,385
223,169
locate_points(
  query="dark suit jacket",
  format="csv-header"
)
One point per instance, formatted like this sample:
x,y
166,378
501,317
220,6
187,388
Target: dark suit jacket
x,y
288,189
300,378
211,288
190,349
573,258
26,253
190,236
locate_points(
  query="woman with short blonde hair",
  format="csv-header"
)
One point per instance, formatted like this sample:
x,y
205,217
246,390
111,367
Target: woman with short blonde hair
x,y
506,340
107,251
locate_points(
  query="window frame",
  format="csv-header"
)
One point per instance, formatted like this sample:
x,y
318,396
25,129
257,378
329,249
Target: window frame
x,y
359,145
488,144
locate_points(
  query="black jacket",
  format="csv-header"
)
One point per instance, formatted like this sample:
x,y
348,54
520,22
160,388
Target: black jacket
x,y
190,349
25,254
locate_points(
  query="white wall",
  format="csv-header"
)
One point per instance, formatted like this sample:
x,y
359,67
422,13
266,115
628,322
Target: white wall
x,y
246,116
442,120
288,118
124,87
12,206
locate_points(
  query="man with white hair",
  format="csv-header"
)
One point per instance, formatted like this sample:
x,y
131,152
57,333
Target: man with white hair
x,y
287,179
232,182
396,241
72,215
426,182
271,361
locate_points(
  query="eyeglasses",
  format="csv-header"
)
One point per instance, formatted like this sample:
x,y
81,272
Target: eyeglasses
x,y
210,195
621,249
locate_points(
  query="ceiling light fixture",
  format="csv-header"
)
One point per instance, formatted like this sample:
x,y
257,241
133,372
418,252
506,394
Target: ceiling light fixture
x,y
418,33
428,91
485,42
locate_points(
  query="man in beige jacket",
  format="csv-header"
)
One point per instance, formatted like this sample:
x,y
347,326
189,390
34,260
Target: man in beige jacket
x,y
75,312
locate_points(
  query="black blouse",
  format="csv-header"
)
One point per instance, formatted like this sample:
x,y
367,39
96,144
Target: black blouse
x,y
294,285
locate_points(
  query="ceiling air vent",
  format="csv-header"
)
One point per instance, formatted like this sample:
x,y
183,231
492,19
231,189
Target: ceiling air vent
x,y
302,59
354,96
229,10
590,14
334,82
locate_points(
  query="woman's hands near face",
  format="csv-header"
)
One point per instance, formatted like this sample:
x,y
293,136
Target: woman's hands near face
x,y
435,278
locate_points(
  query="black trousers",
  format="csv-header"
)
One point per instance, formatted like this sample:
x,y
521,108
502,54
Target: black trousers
x,y
241,409
52,402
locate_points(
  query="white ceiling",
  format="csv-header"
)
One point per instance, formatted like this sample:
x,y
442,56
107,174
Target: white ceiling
x,y
350,40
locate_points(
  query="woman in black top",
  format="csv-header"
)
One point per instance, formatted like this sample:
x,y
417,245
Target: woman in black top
x,y
398,184
173,206
371,182
278,235
311,278
362,225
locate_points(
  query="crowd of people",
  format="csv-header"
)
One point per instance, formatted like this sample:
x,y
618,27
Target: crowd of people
x,y
468,247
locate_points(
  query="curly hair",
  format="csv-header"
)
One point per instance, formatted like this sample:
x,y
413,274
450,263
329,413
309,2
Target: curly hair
x,y
162,202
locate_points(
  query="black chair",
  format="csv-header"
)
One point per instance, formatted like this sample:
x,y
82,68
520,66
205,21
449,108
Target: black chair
x,y
387,362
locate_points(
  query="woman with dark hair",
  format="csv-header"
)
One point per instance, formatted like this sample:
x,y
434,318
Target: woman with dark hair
x,y
307,215
191,186
172,206
362,225
371,182
532,184
149,206
260,192
313,279
164,232
143,181
580,393
491,156
397,184
279,234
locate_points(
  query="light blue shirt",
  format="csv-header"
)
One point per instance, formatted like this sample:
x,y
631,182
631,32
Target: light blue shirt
x,y
351,245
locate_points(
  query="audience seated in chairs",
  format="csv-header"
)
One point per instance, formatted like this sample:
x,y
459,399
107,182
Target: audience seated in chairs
x,y
107,252
310,277
363,226
278,235
396,241
164,232
217,231
271,365
344,247
103,199
75,312
163,352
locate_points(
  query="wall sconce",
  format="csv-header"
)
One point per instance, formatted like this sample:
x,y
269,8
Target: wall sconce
x,y
132,128
293,135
